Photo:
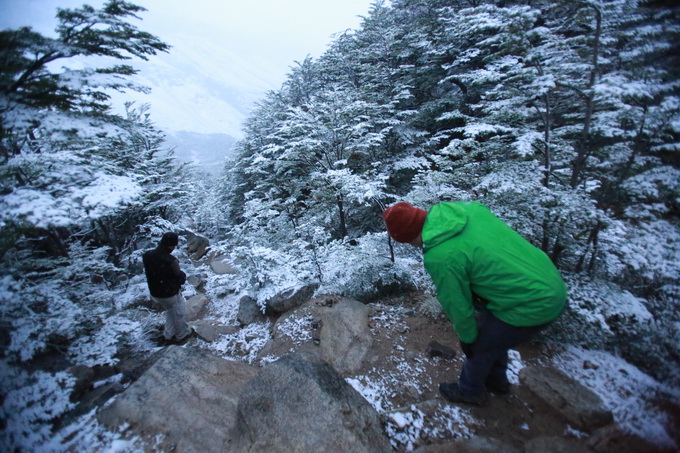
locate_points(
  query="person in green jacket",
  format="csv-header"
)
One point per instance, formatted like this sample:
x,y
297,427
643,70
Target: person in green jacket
x,y
474,258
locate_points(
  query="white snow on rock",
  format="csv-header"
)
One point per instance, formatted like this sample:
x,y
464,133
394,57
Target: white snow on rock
x,y
624,389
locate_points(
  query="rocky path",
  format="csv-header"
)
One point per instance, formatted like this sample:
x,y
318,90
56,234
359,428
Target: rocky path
x,y
393,353
343,376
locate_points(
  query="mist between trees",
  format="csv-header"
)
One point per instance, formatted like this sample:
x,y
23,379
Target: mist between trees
x,y
563,117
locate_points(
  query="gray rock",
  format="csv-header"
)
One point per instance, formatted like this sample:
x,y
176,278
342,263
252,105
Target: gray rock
x,y
436,349
221,266
300,403
249,311
84,378
337,331
197,281
197,246
188,397
211,331
477,444
345,336
582,408
552,444
289,299
196,306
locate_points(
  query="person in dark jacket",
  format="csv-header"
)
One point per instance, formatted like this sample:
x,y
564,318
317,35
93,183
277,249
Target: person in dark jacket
x,y
165,280
473,256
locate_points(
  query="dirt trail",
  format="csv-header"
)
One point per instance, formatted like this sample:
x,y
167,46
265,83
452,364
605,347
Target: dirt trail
x,y
513,419
402,378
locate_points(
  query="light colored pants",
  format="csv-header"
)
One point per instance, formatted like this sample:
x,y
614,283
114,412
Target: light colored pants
x,y
175,311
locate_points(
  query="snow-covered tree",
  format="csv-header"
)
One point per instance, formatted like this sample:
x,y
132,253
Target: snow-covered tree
x,y
52,123
561,116
76,182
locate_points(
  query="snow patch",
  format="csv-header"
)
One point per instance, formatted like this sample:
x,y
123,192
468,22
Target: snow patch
x,y
628,392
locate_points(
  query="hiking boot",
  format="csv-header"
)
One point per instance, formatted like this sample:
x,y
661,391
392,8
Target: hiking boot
x,y
184,340
500,386
452,393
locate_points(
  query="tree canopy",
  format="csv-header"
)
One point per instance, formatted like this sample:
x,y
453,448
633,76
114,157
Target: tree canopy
x,y
561,116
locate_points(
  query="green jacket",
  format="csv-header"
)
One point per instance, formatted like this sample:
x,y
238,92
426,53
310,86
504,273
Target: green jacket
x,y
469,250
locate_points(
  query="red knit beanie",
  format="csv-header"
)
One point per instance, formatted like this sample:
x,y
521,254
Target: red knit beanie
x,y
404,222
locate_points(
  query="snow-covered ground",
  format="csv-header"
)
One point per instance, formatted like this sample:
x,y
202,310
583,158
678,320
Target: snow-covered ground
x,y
631,395
634,397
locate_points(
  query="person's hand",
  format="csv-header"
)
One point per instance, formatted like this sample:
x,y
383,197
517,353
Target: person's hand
x,y
467,349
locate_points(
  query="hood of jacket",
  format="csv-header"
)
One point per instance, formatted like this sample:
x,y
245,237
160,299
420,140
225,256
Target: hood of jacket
x,y
443,222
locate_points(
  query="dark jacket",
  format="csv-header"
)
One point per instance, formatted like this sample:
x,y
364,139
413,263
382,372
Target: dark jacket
x,y
163,275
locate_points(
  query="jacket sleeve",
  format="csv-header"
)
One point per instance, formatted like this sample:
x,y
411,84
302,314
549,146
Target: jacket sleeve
x,y
455,296
179,275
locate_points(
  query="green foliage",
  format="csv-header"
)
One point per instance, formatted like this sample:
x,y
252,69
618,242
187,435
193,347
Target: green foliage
x,y
27,81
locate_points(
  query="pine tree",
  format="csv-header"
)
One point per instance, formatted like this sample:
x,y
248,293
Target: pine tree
x,y
51,123
29,86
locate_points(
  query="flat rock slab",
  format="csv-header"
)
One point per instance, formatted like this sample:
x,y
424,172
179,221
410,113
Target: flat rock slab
x,y
187,397
582,408
211,331
221,266
475,444
299,403
557,445
196,306
337,328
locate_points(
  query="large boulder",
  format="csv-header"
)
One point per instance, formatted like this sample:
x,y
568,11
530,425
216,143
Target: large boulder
x,y
249,311
300,403
197,246
580,406
345,336
185,402
332,327
196,306
221,265
476,444
289,299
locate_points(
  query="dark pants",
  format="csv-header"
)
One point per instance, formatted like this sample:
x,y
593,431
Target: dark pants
x,y
490,353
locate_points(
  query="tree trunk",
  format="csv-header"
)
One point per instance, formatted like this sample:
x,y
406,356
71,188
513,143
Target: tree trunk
x,y
583,144
547,157
391,246
341,213
54,244
593,257
593,238
545,242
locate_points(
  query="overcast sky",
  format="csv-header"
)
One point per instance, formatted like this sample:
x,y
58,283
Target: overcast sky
x,y
245,46
278,30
